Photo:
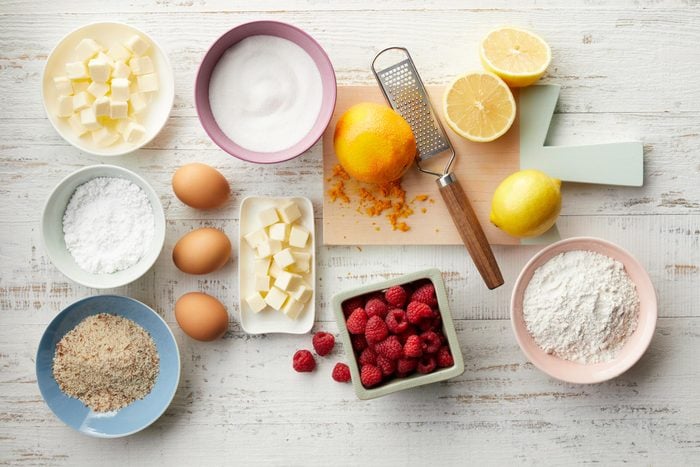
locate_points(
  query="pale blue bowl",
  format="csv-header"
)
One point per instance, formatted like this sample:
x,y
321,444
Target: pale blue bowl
x,y
139,414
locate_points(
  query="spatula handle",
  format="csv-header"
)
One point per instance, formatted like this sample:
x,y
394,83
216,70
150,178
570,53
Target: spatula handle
x,y
470,230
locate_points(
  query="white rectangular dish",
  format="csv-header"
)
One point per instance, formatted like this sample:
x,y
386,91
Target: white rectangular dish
x,y
271,320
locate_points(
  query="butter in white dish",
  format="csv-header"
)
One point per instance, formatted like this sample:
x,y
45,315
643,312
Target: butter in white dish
x,y
265,93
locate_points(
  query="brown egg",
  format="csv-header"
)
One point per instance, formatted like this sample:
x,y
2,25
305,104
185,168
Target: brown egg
x,y
202,251
201,316
200,186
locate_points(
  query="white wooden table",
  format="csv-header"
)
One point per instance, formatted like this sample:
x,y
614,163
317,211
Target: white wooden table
x,y
628,71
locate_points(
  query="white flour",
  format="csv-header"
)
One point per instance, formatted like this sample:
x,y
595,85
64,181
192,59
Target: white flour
x,y
581,306
108,225
265,93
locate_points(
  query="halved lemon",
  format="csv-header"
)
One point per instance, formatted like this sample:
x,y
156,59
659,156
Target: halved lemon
x,y
519,57
479,106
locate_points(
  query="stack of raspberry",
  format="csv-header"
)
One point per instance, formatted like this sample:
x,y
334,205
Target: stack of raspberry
x,y
397,333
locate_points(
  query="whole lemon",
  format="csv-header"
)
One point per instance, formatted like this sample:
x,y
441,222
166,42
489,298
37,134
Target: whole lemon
x,y
526,203
374,144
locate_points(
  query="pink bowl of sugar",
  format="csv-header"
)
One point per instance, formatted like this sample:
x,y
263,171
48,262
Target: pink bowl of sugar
x,y
265,92
583,310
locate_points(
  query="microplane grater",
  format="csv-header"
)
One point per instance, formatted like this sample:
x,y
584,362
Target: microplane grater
x,y
404,90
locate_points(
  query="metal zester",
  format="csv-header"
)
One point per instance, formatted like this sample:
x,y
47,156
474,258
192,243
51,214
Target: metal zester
x,y
406,94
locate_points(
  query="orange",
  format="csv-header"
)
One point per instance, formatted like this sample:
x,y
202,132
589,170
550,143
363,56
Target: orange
x,y
373,143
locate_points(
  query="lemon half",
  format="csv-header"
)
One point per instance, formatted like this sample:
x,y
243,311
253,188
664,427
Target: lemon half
x,y
518,56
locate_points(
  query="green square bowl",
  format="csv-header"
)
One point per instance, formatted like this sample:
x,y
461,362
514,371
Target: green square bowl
x,y
448,328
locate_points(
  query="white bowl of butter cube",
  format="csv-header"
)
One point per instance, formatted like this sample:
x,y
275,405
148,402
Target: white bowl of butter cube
x,y
276,265
108,88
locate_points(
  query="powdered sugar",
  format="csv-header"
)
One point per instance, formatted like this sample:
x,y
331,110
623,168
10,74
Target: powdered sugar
x,y
581,306
108,225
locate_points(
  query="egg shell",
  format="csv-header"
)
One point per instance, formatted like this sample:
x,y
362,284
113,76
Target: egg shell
x,y
200,186
202,251
201,316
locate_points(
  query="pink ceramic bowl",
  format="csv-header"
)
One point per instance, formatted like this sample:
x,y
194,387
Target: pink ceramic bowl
x,y
270,28
635,346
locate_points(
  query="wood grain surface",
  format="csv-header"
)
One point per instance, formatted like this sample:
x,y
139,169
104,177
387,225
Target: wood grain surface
x,y
628,71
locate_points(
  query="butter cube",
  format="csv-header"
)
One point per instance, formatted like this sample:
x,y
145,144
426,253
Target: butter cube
x,y
89,119
86,49
262,266
63,85
292,309
98,89
256,238
81,101
121,70
65,106
99,70
121,126
118,109
268,217
298,236
105,58
275,298
287,281
81,85
119,53
148,82
289,212
268,248
138,102
279,231
134,132
104,137
302,261
76,70
120,89
75,124
101,106
302,293
275,270
137,45
262,283
284,258
256,303
141,65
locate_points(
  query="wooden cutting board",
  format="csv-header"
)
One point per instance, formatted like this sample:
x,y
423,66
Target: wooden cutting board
x,y
479,167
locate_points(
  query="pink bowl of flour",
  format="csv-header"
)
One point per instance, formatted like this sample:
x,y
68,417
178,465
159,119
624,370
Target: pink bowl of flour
x,y
321,113
634,346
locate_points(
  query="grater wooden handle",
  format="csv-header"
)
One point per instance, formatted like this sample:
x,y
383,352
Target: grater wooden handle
x,y
470,230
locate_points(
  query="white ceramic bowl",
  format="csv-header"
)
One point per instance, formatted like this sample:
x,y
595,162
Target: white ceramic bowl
x,y
108,33
52,228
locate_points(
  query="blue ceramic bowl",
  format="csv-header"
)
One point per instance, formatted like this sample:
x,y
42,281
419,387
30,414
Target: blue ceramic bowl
x,y
139,414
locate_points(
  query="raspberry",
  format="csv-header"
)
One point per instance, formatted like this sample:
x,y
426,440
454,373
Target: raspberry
x,y
390,348
413,346
431,324
396,321
430,342
444,357
351,304
396,296
376,307
368,357
303,361
376,329
359,343
370,376
425,294
426,364
341,373
323,343
417,312
387,366
406,366
357,321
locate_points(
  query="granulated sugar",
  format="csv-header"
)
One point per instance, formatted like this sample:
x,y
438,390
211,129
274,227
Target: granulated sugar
x,y
581,306
108,225
107,362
